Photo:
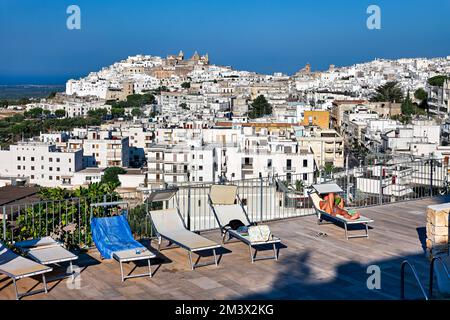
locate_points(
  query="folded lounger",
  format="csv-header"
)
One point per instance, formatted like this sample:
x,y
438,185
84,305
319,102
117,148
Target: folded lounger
x,y
222,201
170,226
113,238
47,251
17,267
315,196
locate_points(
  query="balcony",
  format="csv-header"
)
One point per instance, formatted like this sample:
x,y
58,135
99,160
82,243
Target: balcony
x,y
176,171
155,160
247,166
288,169
155,170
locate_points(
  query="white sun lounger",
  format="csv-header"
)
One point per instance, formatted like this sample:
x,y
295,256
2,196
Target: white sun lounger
x,y
170,225
17,267
222,201
47,251
322,215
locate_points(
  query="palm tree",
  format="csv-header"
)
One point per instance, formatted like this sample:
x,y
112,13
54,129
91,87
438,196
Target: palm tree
x,y
299,184
389,92
329,168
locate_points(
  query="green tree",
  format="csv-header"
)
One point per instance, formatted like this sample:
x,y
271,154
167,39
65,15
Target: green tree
x,y
186,85
420,94
259,107
117,112
389,92
329,168
98,113
299,185
184,106
139,100
136,112
437,80
111,175
34,113
407,106
60,113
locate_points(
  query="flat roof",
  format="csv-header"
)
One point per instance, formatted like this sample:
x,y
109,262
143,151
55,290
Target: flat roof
x,y
13,194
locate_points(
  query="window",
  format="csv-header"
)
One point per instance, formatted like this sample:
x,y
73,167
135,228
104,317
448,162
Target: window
x,y
50,159
57,159
18,158
232,175
57,177
57,169
70,160
201,157
42,158
32,158
305,177
269,163
18,167
50,177
32,167
32,176
23,158
305,163
200,179
42,167
200,167
50,168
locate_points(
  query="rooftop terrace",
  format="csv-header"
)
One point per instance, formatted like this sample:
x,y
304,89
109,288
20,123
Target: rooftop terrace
x,y
309,267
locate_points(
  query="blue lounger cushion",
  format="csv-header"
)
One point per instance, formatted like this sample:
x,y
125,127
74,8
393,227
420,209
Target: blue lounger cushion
x,y
112,234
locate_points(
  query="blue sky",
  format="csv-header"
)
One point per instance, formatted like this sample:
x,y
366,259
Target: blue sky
x,y
257,35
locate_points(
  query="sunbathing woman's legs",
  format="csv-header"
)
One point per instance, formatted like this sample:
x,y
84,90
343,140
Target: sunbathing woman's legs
x,y
329,207
345,214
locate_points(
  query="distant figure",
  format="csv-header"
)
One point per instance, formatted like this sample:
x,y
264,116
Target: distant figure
x,y
334,205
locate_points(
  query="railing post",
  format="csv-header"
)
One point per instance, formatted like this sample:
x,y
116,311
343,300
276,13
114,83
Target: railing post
x,y
431,177
4,223
189,208
261,197
380,196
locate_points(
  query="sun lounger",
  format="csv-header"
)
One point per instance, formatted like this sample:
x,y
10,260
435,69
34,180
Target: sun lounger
x,y
47,251
170,226
113,238
315,197
17,267
222,200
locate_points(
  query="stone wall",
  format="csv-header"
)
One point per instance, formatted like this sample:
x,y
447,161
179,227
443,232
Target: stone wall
x,y
437,242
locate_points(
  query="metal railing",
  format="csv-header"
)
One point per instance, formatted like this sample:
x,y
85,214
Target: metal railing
x,y
431,280
266,198
416,277
50,217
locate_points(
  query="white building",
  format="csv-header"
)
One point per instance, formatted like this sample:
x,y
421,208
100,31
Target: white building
x,y
43,163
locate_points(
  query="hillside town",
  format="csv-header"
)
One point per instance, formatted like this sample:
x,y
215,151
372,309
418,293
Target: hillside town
x,y
178,119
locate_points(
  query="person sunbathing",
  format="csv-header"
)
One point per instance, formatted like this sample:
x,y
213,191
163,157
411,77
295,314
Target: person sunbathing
x,y
334,205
